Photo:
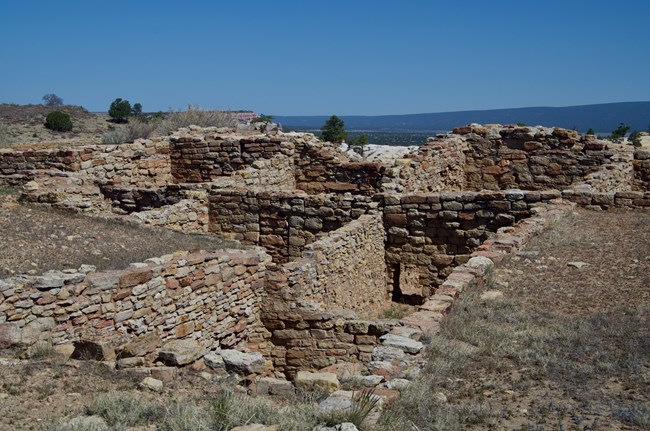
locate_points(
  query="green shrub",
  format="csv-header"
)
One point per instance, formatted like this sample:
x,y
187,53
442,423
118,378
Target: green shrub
x,y
120,110
58,121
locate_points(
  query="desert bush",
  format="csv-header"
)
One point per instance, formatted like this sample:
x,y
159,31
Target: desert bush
x,y
196,116
138,128
58,121
5,138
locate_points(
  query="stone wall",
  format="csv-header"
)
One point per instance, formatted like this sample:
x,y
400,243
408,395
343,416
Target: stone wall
x,y
429,234
275,172
283,222
641,166
212,297
321,167
345,268
202,155
143,163
532,158
437,166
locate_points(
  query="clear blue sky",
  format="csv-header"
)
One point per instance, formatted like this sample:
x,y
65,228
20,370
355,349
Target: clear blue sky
x,y
326,57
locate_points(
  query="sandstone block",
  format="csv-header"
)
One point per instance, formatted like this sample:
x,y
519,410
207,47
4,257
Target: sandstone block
x,y
152,384
181,352
327,381
405,344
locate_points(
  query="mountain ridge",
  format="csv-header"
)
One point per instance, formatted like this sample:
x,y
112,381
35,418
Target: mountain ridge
x,y
601,117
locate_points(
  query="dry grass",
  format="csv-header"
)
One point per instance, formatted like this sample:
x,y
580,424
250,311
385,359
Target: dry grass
x,y
135,129
533,361
197,116
5,137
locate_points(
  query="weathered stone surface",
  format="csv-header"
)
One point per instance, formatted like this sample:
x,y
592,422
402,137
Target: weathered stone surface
x,y
152,384
272,386
387,353
242,363
181,352
140,346
214,361
327,381
406,344
338,400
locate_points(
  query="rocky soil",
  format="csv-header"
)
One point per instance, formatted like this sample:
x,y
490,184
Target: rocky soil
x,y
37,238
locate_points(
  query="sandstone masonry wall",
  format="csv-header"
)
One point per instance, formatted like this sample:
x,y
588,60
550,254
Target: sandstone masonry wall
x,y
429,234
322,167
437,166
345,268
283,222
205,155
532,158
143,163
213,297
641,166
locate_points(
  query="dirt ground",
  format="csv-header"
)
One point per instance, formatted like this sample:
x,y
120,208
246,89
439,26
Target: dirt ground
x,y
36,239
583,360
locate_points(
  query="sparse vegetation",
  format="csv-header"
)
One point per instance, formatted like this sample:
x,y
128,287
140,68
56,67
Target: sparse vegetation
x,y
52,100
138,128
635,138
5,137
619,133
197,116
58,121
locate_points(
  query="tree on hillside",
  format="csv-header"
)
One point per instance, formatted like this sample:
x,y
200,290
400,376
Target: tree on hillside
x,y
334,130
619,133
52,100
590,132
120,110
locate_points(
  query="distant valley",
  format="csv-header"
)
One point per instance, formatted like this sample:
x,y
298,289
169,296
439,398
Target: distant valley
x,y
603,118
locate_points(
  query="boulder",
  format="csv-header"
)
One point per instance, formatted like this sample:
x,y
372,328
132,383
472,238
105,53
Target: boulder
x,y
140,346
242,363
152,384
181,352
272,386
387,353
327,381
405,344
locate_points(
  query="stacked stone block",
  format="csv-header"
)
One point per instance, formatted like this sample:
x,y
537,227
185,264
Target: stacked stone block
x,y
212,297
